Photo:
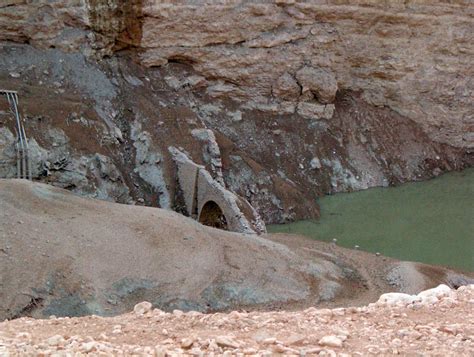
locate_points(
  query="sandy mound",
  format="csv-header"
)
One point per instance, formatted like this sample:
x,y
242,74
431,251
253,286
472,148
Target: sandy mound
x,y
68,256
439,323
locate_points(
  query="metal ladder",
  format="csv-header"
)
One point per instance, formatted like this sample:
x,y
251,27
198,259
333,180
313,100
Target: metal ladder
x,y
23,162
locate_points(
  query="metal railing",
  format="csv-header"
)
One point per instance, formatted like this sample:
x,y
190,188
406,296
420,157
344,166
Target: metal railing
x,y
23,162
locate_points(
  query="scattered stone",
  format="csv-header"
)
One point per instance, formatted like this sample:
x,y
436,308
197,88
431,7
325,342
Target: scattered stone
x,y
224,341
435,293
56,340
142,308
397,298
186,343
330,341
315,163
447,332
178,313
269,341
88,346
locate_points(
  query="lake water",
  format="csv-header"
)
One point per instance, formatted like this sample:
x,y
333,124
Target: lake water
x,y
430,222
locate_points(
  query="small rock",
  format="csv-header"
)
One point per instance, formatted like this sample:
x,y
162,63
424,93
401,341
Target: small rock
x,y
330,341
310,351
315,163
186,343
56,340
224,341
397,298
142,308
269,341
294,339
24,335
88,346
432,295
178,313
160,351
396,342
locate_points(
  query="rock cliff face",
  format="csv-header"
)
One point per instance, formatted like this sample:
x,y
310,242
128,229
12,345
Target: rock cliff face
x,y
304,98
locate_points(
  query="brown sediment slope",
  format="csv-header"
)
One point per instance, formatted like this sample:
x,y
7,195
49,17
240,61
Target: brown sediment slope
x,y
65,255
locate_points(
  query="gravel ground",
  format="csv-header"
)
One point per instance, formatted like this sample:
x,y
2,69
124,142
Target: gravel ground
x,y
437,322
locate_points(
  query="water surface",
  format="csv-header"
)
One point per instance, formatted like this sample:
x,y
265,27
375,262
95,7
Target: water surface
x,y
430,221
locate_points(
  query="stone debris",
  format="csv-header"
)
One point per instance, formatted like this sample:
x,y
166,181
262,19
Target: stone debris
x,y
330,341
426,297
381,328
142,308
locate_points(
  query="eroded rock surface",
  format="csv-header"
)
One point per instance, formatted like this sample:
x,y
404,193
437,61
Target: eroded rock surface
x,y
378,93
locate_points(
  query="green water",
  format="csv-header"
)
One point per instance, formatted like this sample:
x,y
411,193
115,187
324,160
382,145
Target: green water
x,y
430,222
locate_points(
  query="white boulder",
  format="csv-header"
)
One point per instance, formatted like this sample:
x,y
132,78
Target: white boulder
x,y
397,299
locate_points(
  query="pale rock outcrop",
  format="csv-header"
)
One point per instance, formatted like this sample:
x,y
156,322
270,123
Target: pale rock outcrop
x,y
93,175
319,81
148,163
413,58
437,293
397,298
426,297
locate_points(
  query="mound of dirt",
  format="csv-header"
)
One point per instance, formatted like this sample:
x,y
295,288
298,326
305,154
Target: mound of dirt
x,y
442,327
64,255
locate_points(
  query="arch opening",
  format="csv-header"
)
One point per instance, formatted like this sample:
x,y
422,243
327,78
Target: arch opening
x,y
212,215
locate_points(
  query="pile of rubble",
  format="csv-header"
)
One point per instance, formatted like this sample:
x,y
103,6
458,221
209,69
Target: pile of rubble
x,y
438,321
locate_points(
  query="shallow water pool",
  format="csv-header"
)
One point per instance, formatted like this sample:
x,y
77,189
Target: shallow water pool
x,y
430,222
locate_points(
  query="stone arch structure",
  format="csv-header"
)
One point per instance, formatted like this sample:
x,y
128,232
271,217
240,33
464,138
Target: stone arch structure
x,y
211,215
199,188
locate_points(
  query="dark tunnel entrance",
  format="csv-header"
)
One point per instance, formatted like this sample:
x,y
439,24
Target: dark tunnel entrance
x,y
212,215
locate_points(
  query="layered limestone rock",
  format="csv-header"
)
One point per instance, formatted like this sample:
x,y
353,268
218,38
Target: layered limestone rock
x,y
413,57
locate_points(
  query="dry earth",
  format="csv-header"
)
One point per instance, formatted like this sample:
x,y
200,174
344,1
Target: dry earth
x,y
441,327
64,255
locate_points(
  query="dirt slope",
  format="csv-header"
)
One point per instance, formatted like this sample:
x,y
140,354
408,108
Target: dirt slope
x,y
66,255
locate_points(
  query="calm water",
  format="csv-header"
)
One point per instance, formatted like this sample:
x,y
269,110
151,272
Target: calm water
x,y
430,222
